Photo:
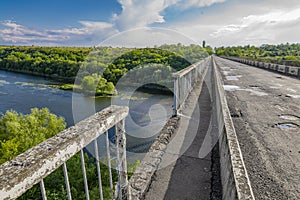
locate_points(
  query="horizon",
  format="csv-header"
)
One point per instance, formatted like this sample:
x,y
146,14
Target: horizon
x,y
257,46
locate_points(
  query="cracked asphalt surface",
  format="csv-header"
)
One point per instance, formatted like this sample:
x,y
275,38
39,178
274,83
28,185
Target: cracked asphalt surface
x,y
265,108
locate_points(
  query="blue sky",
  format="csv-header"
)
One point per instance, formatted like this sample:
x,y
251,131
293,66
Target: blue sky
x,y
89,22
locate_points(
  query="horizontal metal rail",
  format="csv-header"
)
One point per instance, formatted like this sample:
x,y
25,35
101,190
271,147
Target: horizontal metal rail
x,y
32,166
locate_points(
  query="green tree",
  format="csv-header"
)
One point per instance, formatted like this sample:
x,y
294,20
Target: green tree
x,y
88,83
20,132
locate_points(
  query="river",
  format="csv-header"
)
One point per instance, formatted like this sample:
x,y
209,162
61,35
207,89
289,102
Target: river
x,y
148,112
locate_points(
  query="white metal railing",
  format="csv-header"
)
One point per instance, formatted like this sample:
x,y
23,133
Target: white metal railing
x,y
184,81
31,167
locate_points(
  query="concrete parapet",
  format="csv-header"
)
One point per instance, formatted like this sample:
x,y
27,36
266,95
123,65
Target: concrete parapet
x,y
234,176
288,70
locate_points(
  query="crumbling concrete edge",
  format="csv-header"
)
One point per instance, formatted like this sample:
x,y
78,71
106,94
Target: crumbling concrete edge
x,y
234,176
142,177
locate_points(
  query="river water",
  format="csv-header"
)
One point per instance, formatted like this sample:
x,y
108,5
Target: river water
x,y
148,112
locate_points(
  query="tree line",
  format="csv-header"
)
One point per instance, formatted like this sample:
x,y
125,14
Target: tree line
x,y
103,65
288,54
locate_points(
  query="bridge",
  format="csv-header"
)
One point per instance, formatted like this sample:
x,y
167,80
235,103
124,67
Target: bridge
x,y
234,135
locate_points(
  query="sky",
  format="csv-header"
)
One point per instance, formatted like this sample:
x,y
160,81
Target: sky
x,y
148,22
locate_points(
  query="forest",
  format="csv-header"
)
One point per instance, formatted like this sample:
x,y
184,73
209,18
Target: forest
x,y
286,54
96,69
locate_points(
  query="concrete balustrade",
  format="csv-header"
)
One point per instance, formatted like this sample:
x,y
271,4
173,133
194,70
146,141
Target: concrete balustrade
x,y
234,177
287,70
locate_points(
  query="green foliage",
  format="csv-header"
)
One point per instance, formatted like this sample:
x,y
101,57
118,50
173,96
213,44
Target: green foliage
x,y
66,87
63,63
288,54
96,83
60,62
88,83
55,182
20,132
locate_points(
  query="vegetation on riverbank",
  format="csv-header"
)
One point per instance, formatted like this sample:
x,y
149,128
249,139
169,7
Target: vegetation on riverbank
x,y
288,54
102,66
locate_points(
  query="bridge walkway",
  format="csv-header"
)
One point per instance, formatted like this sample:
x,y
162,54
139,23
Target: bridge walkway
x,y
184,172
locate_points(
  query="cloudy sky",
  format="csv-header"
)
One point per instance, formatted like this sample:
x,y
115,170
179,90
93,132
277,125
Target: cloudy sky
x,y
90,22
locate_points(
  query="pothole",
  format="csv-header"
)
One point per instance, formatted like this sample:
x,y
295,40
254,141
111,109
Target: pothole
x,y
293,96
289,117
287,125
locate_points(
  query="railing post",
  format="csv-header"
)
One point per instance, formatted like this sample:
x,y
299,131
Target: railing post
x,y
175,96
109,162
43,191
123,189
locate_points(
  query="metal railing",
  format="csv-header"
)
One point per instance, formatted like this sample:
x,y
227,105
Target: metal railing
x,y
184,81
31,167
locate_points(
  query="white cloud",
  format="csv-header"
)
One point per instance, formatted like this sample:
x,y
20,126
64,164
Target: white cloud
x,y
261,28
237,23
197,3
242,23
135,14
16,33
141,13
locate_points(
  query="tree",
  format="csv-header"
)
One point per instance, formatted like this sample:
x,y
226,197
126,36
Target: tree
x,y
88,83
20,132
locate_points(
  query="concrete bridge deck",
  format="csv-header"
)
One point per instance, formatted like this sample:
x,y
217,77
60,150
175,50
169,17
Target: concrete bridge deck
x,y
265,110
